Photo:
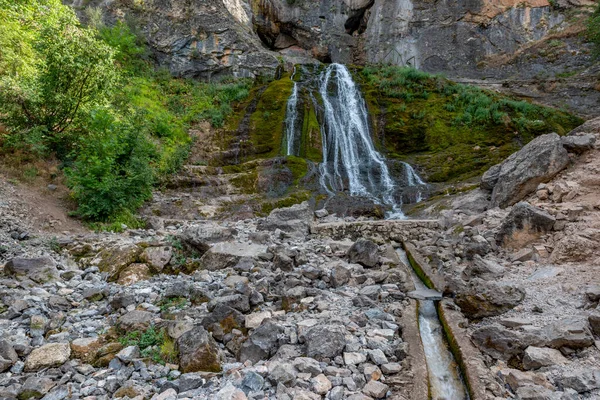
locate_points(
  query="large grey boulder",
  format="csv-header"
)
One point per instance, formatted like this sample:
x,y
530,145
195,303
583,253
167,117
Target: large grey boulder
x,y
520,174
295,219
325,341
481,298
198,351
537,357
135,320
579,143
200,237
262,343
364,252
502,343
523,225
228,254
581,380
39,270
572,332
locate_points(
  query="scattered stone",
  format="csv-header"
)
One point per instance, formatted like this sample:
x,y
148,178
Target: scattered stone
x,y
364,252
39,270
325,341
36,387
320,384
198,351
135,320
375,389
537,357
49,355
157,257
572,332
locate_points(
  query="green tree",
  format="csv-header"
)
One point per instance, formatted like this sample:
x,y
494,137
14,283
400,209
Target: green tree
x,y
52,70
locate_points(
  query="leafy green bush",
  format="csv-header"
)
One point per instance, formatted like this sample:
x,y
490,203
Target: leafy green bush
x,y
154,344
112,171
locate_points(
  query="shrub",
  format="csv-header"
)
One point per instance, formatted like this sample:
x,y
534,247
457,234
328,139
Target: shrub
x,y
593,30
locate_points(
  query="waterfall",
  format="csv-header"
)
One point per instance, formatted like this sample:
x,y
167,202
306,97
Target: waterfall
x,y
349,154
291,116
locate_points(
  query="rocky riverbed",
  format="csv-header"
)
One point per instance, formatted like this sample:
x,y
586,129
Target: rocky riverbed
x,y
266,308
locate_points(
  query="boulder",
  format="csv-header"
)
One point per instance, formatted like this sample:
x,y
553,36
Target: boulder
x,y
572,332
157,257
325,341
295,219
280,372
482,268
579,143
364,252
375,389
85,348
580,380
594,320
228,254
49,355
502,343
524,225
114,259
35,387
133,273
236,301
39,270
199,237
8,355
520,174
537,357
340,274
480,298
535,392
320,384
198,351
263,343
135,320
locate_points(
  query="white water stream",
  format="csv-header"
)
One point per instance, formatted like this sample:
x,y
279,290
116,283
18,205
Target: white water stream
x,y
445,382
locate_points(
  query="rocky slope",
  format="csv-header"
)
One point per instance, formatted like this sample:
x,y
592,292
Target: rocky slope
x,y
263,308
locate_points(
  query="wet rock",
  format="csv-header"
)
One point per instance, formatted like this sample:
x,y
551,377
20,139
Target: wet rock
x,y
49,355
262,343
580,143
39,270
157,257
364,252
524,225
135,321
520,174
537,357
198,351
228,254
325,341
572,332
487,298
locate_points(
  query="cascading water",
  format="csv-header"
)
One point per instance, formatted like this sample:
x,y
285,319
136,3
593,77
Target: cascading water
x,y
348,151
291,116
445,381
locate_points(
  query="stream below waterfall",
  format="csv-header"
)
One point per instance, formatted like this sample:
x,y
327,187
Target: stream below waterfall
x,y
445,379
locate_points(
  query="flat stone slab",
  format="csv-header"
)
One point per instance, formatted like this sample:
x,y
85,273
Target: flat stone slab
x,y
425,294
545,273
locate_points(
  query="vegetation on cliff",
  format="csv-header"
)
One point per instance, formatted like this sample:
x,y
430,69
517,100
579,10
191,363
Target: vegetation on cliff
x,y
451,131
89,97
593,30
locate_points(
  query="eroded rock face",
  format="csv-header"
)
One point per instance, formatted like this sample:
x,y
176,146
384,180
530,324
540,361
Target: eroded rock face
x,y
520,174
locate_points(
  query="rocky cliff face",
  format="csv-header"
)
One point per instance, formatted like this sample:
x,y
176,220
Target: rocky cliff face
x,y
529,48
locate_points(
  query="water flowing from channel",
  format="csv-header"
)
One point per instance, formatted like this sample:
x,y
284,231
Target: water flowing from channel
x,y
445,381
348,151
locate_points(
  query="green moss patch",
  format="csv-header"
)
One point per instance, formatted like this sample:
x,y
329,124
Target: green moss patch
x,y
451,131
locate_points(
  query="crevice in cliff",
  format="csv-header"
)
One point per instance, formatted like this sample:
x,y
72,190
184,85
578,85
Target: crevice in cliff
x,y
358,19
